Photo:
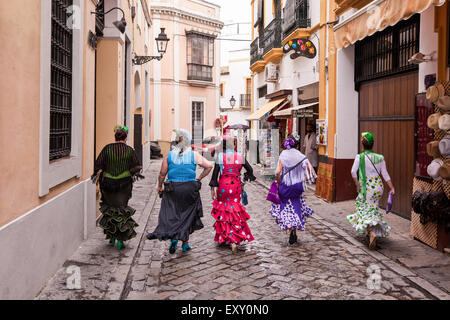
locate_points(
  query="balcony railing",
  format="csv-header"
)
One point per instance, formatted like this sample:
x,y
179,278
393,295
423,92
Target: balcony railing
x,y
272,36
296,15
255,52
246,100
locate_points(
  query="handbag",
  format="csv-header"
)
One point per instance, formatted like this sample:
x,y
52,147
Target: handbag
x,y
273,192
168,186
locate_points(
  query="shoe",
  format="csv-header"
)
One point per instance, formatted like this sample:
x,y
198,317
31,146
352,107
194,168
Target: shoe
x,y
173,246
292,237
234,247
186,247
295,236
120,245
112,241
372,240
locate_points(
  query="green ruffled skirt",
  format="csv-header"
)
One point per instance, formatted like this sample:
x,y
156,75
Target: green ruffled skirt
x,y
116,220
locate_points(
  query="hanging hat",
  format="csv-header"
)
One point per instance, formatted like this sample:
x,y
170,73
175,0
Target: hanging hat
x,y
444,170
433,169
433,121
444,122
435,92
444,146
444,103
433,149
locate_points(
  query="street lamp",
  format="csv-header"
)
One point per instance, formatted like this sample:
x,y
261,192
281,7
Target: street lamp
x,y
161,44
232,101
121,24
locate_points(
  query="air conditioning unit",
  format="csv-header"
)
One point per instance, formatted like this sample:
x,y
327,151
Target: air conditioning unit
x,y
271,73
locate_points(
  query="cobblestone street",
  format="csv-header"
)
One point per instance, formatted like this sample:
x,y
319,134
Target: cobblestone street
x,y
325,263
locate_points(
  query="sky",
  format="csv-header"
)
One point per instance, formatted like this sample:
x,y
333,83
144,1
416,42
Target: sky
x,y
232,12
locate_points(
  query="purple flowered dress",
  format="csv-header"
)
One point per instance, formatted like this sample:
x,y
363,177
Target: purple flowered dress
x,y
292,212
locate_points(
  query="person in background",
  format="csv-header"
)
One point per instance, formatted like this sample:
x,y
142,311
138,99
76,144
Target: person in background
x,y
368,219
310,146
120,167
181,205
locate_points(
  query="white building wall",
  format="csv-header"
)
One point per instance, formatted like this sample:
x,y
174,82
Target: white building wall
x,y
428,44
346,106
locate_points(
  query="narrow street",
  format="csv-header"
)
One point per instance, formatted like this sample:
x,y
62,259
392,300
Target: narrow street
x,y
326,263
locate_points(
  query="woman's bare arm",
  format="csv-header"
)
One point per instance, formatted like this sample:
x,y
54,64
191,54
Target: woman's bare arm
x,y
278,171
163,173
205,164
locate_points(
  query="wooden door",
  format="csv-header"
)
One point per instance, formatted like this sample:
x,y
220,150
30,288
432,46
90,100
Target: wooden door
x,y
138,136
386,108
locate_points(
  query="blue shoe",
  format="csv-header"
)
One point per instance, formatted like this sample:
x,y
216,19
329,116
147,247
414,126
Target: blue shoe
x,y
186,247
173,246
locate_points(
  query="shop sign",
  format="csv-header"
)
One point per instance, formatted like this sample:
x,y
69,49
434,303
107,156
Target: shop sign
x,y
303,113
302,48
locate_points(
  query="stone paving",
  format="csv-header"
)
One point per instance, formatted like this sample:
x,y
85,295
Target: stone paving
x,y
326,263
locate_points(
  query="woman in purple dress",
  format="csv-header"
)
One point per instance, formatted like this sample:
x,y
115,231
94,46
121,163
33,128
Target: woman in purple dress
x,y
292,172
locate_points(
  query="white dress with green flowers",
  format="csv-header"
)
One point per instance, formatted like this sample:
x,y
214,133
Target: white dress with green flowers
x,y
367,210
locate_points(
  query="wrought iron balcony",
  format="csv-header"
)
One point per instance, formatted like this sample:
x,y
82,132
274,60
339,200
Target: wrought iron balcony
x,y
272,36
256,53
296,15
246,100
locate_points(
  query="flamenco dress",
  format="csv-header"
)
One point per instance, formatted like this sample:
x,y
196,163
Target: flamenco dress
x,y
230,215
117,162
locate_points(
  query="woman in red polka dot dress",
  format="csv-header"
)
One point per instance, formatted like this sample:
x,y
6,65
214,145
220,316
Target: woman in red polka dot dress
x,y
230,215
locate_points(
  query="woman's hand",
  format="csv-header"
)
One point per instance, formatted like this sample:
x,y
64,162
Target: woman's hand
x,y
393,191
213,193
159,190
358,188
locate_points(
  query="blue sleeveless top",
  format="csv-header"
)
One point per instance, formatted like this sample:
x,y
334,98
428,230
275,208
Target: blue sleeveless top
x,y
181,167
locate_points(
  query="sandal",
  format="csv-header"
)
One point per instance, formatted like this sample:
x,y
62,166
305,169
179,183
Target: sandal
x,y
186,247
372,241
173,246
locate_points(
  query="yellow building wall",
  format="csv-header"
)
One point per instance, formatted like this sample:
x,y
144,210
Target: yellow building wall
x,y
20,109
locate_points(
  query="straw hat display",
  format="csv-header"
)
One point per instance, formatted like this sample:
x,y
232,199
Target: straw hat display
x,y
444,170
444,146
433,149
433,169
444,103
444,122
433,121
435,92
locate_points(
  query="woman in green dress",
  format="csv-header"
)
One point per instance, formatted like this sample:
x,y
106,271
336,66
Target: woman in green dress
x,y
368,218
119,167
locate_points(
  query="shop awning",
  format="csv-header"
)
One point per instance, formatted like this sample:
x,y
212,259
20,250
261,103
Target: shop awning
x,y
377,16
288,112
258,114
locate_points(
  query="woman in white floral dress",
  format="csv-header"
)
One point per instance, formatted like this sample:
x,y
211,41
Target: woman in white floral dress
x,y
368,219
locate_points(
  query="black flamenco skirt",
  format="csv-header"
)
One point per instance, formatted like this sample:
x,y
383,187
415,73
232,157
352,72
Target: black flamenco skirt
x,y
116,220
181,212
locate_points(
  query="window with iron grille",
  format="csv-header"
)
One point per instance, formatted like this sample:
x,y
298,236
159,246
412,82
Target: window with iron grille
x,y
61,82
387,52
200,56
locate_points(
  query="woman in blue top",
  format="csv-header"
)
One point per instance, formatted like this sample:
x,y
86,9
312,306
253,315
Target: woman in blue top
x,y
181,206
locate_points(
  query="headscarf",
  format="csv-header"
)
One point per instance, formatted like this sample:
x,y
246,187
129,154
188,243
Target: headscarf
x,y
376,159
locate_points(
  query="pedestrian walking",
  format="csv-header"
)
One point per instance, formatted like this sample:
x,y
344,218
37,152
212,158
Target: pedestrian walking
x,y
231,216
368,219
293,170
310,147
181,206
120,167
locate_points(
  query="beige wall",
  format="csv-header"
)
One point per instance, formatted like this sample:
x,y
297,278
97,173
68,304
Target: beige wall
x,y
170,87
20,109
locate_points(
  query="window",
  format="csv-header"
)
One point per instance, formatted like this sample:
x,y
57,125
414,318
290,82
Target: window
x,y
222,92
61,82
100,19
200,56
387,52
262,92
